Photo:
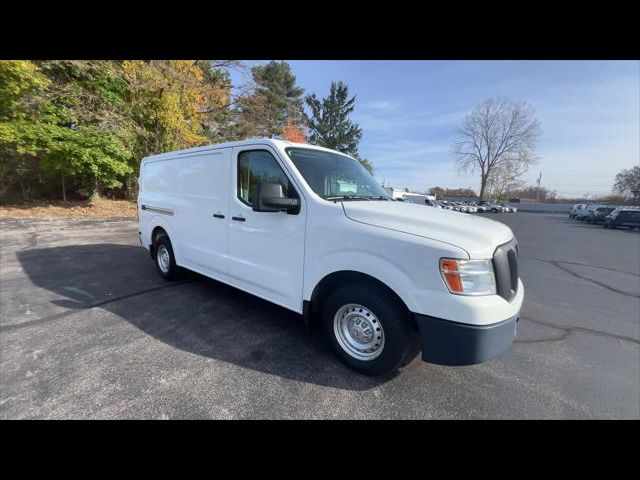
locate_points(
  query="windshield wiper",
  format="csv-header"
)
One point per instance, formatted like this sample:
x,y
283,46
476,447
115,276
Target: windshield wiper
x,y
377,197
347,197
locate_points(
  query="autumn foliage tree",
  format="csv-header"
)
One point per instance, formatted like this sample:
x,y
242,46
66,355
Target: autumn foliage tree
x,y
171,100
83,126
64,124
77,128
293,133
274,102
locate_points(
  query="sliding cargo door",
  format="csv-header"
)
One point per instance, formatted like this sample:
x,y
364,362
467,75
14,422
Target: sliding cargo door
x,y
203,213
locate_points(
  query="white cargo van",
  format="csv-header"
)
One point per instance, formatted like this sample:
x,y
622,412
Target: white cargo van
x,y
310,229
421,199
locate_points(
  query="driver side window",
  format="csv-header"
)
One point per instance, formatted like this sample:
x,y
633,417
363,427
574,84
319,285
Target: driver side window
x,y
258,166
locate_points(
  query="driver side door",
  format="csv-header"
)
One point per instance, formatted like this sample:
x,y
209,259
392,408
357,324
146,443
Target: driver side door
x,y
266,249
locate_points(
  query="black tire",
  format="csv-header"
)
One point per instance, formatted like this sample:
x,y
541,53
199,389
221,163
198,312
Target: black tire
x,y
612,226
401,340
173,271
493,210
605,225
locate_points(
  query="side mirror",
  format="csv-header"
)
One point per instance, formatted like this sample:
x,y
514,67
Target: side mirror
x,y
269,198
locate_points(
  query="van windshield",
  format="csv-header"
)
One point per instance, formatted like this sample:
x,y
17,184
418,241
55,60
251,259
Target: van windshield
x,y
334,176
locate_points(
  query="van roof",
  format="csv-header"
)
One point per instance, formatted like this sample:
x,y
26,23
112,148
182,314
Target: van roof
x,y
216,146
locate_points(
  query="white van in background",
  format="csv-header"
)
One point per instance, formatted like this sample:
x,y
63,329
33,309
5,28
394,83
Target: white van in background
x,y
311,230
421,199
418,198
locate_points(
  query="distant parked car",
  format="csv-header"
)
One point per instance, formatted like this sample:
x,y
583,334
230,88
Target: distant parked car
x,y
508,208
429,203
598,215
446,205
573,211
461,207
493,207
623,217
472,207
586,212
581,212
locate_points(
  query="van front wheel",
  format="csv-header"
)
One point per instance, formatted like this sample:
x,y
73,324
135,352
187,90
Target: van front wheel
x,y
369,330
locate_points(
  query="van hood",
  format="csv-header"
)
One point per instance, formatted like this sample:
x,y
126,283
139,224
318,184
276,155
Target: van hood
x,y
477,235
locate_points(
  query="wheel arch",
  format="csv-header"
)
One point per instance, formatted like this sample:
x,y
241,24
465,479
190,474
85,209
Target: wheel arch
x,y
329,282
157,229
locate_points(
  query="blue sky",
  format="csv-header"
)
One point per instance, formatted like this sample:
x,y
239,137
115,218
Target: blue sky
x,y
409,110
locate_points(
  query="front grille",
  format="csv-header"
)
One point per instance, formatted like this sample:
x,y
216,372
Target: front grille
x,y
505,265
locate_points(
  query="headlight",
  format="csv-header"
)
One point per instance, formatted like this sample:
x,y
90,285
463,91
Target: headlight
x,y
468,277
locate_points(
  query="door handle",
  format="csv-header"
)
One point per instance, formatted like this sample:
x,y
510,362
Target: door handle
x,y
218,215
239,219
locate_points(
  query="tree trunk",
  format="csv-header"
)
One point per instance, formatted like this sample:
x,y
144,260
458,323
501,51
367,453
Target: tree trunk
x,y
64,191
95,193
483,185
22,189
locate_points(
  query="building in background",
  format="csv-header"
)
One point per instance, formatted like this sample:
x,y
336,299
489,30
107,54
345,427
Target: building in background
x,y
460,195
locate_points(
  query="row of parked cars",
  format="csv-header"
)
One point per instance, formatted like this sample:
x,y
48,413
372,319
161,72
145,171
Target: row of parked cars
x,y
611,216
471,207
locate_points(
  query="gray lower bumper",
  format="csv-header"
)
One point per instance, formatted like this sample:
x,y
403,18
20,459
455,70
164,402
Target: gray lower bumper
x,y
452,343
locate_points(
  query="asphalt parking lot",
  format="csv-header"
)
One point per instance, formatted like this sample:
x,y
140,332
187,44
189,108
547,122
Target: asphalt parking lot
x,y
89,330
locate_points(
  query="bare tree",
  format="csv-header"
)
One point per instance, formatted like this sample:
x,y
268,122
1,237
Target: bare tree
x,y
627,183
497,133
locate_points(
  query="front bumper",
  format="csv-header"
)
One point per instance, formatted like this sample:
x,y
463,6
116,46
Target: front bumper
x,y
453,343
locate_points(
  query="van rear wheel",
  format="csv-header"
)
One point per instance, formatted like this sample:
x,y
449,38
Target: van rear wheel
x,y
369,330
165,260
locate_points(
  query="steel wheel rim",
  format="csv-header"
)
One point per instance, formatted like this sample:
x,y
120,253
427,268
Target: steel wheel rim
x,y
164,260
359,332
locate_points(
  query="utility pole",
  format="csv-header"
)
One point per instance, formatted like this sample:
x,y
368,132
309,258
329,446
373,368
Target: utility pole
x,y
538,191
